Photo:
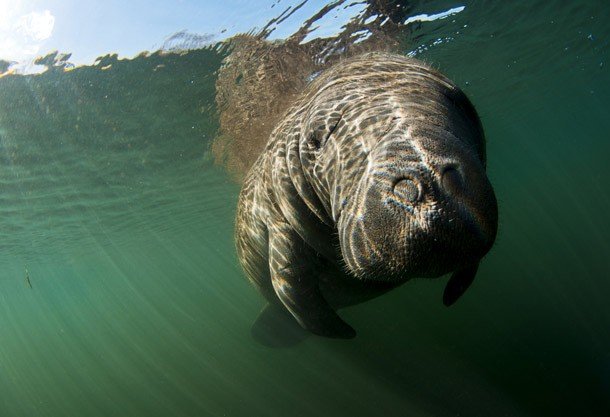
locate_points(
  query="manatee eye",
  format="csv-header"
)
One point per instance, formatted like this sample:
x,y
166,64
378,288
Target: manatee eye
x,y
314,140
319,137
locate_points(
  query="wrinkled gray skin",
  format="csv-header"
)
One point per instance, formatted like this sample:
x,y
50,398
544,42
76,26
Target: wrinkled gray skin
x,y
374,177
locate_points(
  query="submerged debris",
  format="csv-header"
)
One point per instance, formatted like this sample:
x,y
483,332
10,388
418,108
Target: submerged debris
x,y
27,279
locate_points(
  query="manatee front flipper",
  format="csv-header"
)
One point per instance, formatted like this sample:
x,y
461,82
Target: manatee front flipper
x,y
459,283
294,268
276,328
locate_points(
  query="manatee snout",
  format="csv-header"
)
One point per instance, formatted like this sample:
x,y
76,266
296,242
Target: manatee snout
x,y
468,191
418,212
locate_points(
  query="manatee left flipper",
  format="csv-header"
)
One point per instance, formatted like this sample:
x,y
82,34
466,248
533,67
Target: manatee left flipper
x,y
294,268
458,283
276,328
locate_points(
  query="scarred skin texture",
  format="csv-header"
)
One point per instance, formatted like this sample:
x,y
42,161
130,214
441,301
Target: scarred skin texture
x,y
375,176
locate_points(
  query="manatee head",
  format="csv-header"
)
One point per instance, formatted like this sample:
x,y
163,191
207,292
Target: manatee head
x,y
395,155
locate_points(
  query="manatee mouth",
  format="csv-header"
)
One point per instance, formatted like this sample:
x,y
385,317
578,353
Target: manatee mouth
x,y
373,268
379,253
397,241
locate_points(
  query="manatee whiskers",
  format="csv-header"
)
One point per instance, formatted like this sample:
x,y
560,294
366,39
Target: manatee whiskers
x,y
374,177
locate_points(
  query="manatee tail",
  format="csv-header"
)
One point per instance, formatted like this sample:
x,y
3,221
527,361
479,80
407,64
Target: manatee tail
x,y
459,283
275,327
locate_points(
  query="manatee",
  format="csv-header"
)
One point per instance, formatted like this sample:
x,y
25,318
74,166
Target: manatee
x,y
376,175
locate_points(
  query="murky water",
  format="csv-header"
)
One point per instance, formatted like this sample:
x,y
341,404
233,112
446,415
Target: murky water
x,y
112,206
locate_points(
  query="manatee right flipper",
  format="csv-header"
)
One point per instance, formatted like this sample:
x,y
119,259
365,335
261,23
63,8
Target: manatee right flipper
x,y
458,283
294,268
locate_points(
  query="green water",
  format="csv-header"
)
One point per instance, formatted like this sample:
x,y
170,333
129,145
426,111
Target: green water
x,y
138,307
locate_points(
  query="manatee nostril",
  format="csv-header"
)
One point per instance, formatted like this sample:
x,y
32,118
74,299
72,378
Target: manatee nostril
x,y
407,189
452,180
